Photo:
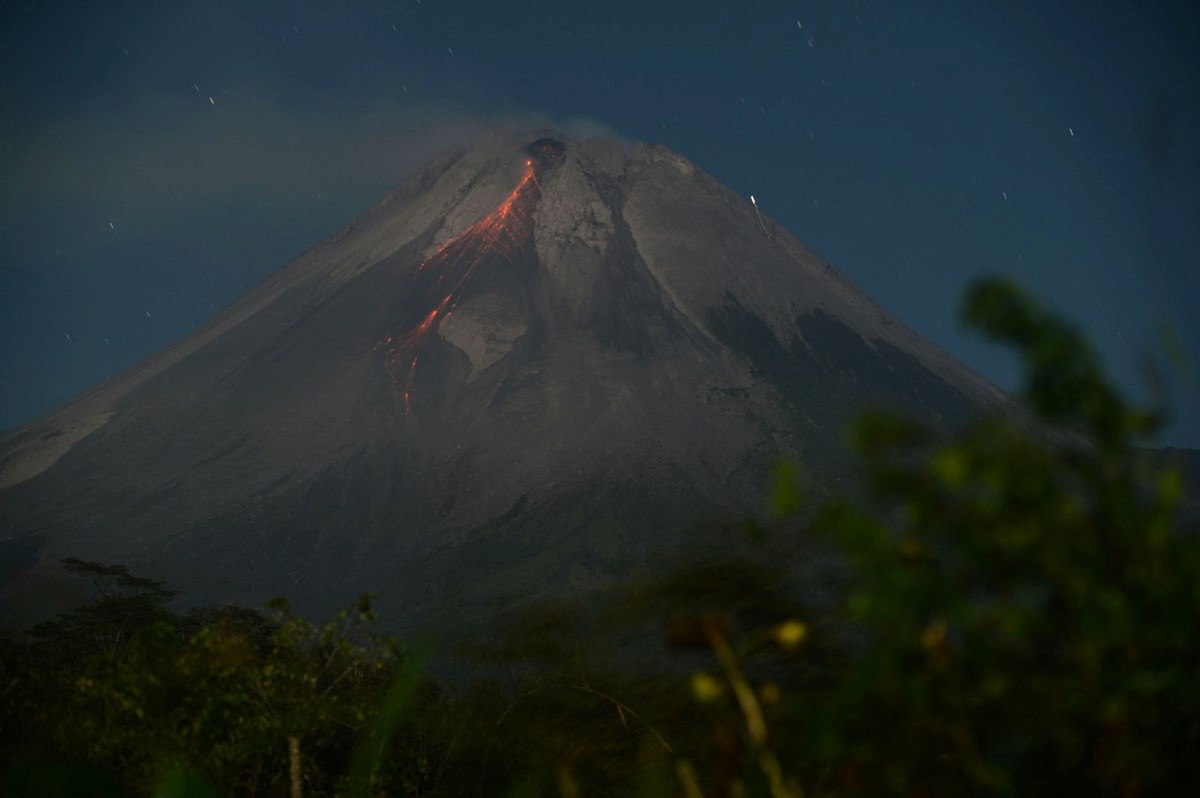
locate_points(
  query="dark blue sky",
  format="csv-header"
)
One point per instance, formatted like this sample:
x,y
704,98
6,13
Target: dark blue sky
x,y
159,159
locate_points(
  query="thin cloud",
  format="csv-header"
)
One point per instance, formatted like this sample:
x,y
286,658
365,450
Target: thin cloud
x,y
144,167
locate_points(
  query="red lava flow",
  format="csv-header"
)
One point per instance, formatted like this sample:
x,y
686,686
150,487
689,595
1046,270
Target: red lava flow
x,y
502,232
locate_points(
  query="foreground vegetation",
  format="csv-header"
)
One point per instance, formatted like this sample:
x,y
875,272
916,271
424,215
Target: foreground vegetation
x,y
1013,611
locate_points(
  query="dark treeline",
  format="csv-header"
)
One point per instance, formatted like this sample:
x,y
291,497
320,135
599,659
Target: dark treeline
x,y
1013,611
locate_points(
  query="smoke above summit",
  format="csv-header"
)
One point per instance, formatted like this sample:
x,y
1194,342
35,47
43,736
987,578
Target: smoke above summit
x,y
127,165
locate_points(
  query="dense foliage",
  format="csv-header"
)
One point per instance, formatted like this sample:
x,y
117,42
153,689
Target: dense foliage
x,y
125,694
1011,611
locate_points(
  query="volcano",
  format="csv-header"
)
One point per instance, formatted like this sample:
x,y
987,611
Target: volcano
x,y
521,374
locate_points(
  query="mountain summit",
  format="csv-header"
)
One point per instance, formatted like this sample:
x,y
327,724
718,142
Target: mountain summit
x,y
522,372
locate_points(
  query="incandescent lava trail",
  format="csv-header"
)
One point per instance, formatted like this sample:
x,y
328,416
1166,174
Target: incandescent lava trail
x,y
442,278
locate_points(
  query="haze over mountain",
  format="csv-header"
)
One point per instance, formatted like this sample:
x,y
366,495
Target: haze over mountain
x,y
535,363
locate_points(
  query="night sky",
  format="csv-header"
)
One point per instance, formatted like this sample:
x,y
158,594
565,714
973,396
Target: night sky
x,y
157,160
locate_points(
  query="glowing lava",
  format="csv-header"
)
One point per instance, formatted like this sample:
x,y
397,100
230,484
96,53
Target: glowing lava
x,y
503,232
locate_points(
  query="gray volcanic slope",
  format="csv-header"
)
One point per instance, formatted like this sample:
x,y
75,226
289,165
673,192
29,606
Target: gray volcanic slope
x,y
521,373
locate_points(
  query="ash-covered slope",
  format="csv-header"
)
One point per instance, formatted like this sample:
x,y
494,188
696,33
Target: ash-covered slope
x,y
533,364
